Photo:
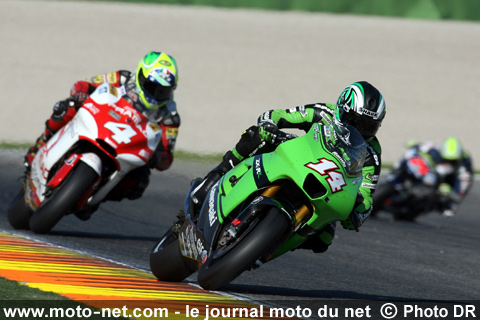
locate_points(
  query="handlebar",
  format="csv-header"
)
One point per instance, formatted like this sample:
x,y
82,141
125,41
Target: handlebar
x,y
283,136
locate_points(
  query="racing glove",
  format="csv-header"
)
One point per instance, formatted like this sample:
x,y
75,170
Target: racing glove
x,y
80,92
268,132
355,220
357,217
60,109
448,200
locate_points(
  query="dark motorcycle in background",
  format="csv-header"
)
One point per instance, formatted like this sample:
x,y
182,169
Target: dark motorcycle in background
x,y
412,188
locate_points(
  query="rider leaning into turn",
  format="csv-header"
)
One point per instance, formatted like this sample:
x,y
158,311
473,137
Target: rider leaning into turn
x,y
360,105
150,91
452,171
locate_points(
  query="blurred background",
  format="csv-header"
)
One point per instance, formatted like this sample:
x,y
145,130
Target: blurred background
x,y
238,61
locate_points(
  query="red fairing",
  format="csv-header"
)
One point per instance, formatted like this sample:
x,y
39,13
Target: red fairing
x,y
419,166
64,170
122,127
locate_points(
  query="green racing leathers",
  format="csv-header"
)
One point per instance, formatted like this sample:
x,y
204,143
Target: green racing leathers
x,y
255,140
302,117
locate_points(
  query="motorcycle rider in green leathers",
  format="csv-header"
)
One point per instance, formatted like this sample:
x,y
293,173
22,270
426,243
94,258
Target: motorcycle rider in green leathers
x,y
360,105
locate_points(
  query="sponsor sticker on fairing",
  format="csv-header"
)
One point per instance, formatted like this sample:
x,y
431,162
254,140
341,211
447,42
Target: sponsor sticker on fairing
x,y
257,200
212,212
92,108
258,167
113,90
326,131
204,256
114,115
155,126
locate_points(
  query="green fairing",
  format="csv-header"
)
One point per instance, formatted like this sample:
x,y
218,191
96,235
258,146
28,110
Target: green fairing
x,y
289,161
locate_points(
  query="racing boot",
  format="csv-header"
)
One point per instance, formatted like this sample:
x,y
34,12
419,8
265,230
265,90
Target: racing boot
x,y
320,241
57,120
132,186
198,195
44,137
85,214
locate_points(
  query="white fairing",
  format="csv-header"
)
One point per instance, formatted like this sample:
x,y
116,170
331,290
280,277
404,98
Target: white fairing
x,y
92,160
103,94
84,126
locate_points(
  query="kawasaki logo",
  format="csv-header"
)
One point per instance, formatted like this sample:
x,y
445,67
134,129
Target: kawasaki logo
x,y
212,213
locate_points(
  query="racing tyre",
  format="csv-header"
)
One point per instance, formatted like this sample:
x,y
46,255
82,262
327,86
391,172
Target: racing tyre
x,y
19,213
63,198
166,260
242,254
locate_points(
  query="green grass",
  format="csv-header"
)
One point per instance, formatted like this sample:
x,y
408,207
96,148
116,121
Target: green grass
x,y
13,290
9,145
14,294
186,155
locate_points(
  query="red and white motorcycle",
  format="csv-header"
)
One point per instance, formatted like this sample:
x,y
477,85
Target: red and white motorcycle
x,y
77,168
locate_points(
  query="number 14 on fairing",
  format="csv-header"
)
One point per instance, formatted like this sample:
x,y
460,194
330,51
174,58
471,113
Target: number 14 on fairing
x,y
326,167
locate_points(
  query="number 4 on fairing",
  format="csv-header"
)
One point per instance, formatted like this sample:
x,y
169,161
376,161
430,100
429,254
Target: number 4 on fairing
x,y
73,172
326,167
122,132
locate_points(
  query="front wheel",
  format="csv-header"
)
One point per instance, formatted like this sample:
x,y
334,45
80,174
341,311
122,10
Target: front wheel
x,y
19,213
63,198
166,260
242,255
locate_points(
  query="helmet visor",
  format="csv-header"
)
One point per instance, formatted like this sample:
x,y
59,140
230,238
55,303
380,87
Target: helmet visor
x,y
367,126
154,89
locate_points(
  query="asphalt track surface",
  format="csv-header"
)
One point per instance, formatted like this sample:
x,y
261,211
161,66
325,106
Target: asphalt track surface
x,y
432,260
234,65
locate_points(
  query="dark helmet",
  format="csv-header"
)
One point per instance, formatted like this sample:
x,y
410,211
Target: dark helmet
x,y
361,105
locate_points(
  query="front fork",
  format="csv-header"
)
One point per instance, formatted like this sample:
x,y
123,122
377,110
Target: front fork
x,y
240,223
91,159
300,214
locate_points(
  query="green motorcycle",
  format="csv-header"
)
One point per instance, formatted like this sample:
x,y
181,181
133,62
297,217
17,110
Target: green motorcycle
x,y
264,207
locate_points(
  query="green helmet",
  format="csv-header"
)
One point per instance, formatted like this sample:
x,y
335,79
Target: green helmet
x,y
157,77
362,106
451,150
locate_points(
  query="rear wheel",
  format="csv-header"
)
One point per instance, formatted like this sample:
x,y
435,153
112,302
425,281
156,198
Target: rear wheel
x,y
166,260
63,198
241,255
19,213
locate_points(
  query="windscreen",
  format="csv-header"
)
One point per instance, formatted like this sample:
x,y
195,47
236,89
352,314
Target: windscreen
x,y
347,144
